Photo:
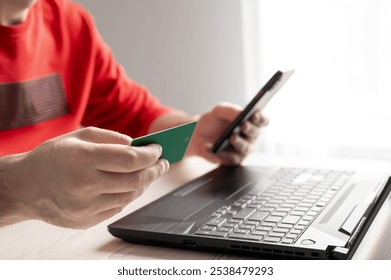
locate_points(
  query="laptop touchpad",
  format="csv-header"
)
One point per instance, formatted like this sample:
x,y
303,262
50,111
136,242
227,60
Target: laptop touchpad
x,y
177,208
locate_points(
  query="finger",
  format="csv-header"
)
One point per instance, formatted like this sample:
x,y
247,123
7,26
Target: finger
x,y
124,159
128,182
258,119
230,158
241,145
227,157
104,136
249,130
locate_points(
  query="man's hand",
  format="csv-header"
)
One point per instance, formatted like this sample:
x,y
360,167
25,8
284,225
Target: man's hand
x,y
78,179
212,124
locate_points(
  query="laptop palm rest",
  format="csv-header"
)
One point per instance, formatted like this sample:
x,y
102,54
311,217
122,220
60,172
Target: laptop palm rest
x,y
197,195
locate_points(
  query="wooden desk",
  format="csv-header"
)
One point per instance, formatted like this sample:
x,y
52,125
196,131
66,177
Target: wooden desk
x,y
38,240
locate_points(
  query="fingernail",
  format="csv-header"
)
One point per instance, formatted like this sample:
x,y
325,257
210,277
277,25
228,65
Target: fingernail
x,y
160,150
166,165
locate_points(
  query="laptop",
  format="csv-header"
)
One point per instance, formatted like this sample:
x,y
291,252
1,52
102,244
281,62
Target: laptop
x,y
264,211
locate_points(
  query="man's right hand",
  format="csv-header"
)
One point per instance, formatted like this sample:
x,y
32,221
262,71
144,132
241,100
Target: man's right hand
x,y
78,179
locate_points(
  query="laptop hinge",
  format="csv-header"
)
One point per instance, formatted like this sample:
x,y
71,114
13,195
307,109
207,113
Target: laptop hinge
x,y
342,252
352,238
339,253
362,227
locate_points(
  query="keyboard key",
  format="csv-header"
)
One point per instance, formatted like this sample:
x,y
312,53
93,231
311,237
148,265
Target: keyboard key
x,y
291,235
297,213
293,201
299,227
249,196
301,209
268,224
229,225
304,222
231,212
305,204
244,213
281,230
241,231
267,209
271,205
309,200
271,239
291,219
273,219
235,221
211,233
288,205
284,209
216,222
308,218
239,204
250,222
246,227
259,201
314,197
208,228
254,205
258,216
221,212
312,213
259,232
215,215
287,226
276,234
225,229
295,231
316,193
321,204
278,213
264,228
287,240
245,236
276,201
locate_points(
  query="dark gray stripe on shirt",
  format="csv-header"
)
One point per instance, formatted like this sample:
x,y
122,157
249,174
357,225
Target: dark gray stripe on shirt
x,y
31,102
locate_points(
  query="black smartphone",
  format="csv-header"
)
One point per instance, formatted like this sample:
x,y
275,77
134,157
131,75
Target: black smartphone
x,y
258,102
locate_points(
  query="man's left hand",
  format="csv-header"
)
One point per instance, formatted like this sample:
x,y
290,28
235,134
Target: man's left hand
x,y
212,124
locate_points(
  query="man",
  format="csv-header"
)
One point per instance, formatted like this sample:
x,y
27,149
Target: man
x,y
57,75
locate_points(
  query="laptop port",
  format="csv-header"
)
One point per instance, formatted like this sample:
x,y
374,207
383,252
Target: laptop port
x,y
189,243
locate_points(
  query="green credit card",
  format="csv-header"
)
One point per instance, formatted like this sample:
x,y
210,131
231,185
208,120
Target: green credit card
x,y
174,141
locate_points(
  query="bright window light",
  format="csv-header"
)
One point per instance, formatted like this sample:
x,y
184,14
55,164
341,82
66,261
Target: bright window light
x,y
338,102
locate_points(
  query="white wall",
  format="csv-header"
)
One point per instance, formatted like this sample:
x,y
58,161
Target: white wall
x,y
189,53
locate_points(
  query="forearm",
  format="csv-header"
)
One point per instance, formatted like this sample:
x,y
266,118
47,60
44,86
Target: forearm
x,y
171,119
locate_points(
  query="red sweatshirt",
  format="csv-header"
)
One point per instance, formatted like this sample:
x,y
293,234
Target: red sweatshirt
x,y
57,74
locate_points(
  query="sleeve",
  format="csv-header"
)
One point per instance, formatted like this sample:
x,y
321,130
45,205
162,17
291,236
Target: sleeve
x,y
117,102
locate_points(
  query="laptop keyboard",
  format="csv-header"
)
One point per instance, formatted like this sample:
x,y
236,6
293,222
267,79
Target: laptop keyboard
x,y
280,213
